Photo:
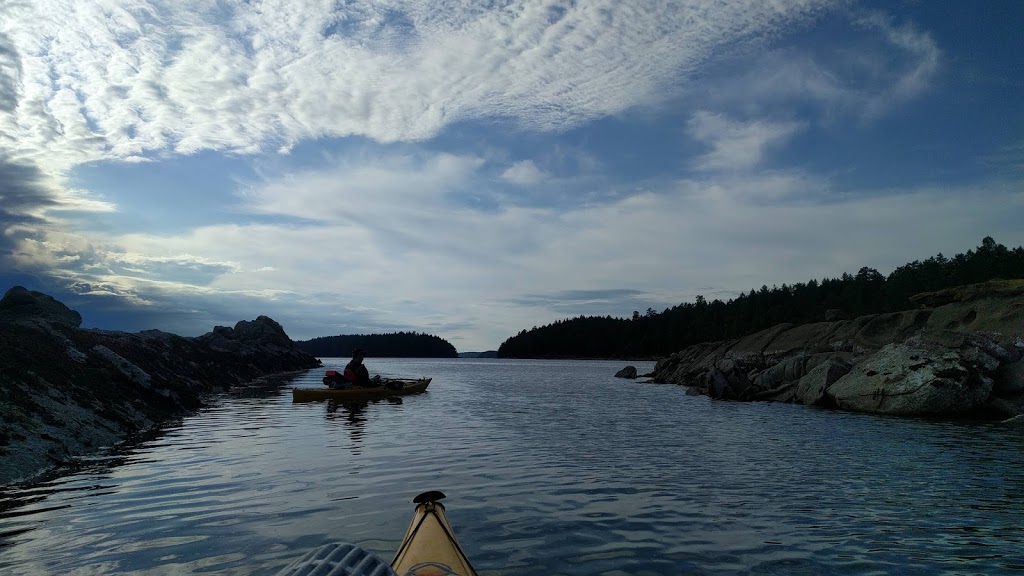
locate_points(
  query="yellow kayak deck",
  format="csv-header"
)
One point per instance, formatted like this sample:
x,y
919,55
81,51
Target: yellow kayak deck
x,y
408,386
430,547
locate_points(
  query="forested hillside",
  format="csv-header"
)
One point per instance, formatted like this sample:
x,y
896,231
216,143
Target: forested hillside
x,y
656,334
395,345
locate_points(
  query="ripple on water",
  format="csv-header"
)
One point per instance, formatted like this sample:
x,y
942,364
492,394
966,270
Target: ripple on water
x,y
550,467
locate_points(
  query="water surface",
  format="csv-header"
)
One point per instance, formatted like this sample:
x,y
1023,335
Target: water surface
x,y
551,467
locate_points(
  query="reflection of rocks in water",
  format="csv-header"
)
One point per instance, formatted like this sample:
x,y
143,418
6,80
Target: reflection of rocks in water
x,y
263,388
22,503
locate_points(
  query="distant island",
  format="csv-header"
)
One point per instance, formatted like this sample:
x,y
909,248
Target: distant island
x,y
487,354
394,345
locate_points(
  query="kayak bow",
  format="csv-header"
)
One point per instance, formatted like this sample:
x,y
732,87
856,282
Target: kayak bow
x,y
430,547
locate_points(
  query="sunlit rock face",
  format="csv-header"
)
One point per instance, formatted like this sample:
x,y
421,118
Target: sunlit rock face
x,y
962,357
65,391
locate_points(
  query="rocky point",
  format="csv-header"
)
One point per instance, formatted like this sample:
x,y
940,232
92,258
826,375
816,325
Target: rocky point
x,y
66,391
958,355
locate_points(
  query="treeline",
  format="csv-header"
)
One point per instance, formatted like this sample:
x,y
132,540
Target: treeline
x,y
395,345
655,334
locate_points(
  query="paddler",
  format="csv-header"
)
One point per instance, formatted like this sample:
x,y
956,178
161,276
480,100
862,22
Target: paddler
x,y
357,374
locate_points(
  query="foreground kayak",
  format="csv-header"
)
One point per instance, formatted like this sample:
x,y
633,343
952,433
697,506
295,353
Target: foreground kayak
x,y
391,387
429,548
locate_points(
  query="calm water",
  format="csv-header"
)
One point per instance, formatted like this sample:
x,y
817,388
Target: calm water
x,y
551,467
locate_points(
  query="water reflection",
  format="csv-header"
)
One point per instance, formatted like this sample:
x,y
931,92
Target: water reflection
x,y
27,505
551,467
352,415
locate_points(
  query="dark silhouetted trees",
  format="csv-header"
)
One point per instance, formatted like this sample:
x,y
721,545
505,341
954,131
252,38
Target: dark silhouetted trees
x,y
396,345
658,334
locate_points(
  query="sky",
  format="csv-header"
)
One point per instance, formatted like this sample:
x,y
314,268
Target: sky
x,y
471,169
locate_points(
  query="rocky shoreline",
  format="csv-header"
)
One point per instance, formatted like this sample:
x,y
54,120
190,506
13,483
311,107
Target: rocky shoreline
x,y
67,391
959,355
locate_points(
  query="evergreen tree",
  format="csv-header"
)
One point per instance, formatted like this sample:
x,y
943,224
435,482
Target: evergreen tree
x,y
394,345
868,292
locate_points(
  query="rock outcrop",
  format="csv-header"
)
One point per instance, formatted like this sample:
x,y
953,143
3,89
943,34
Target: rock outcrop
x,y
962,357
627,372
67,391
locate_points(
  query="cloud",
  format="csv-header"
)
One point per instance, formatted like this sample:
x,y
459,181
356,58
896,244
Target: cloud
x,y
344,259
359,242
138,80
735,145
524,173
1008,159
581,295
570,303
10,74
141,78
873,67
77,200
922,64
23,200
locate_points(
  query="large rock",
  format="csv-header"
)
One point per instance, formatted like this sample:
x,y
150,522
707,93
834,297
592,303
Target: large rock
x,y
627,372
263,330
727,382
788,370
807,338
884,329
993,316
690,366
993,289
964,357
756,343
20,303
1014,422
1010,379
917,378
812,387
65,391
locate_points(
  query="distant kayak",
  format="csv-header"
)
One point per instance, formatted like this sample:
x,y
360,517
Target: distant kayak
x,y
429,548
390,387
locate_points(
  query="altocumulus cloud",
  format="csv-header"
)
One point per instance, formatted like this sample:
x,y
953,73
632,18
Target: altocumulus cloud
x,y
139,77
